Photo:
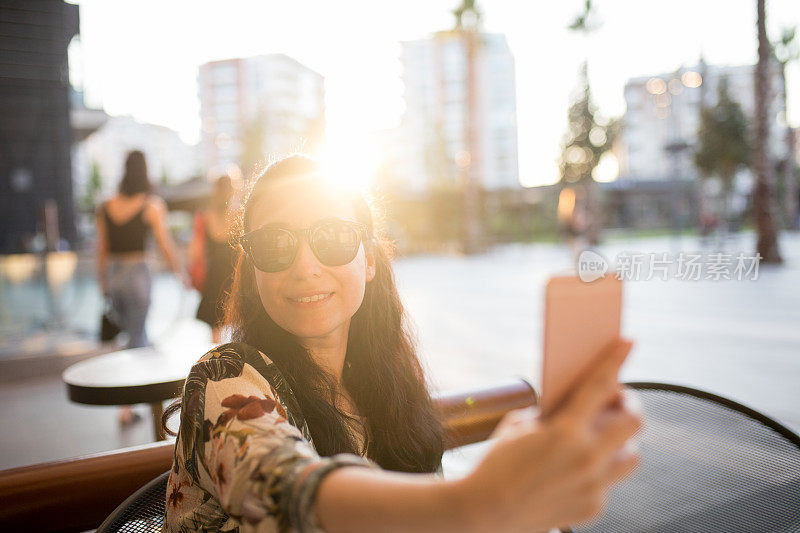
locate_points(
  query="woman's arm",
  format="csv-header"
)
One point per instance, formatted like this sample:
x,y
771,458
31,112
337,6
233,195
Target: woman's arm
x,y
102,248
357,499
237,443
538,475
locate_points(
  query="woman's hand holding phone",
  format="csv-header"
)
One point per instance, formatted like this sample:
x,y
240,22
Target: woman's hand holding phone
x,y
550,473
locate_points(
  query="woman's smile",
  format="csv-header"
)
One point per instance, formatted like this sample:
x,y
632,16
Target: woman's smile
x,y
311,300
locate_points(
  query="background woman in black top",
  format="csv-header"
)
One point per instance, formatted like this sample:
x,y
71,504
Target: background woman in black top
x,y
123,225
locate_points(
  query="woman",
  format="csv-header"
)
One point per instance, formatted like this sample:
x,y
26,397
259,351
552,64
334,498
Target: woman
x,y
123,225
211,247
297,424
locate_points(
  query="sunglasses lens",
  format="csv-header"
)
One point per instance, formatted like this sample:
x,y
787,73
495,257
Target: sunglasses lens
x,y
273,249
335,243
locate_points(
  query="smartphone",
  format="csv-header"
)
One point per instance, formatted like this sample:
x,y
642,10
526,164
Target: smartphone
x,y
581,319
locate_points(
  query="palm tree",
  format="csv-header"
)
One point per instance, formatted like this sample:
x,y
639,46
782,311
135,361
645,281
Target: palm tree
x,y
763,201
787,50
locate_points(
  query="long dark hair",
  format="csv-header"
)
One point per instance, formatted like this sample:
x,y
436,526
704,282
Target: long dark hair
x,y
135,180
382,372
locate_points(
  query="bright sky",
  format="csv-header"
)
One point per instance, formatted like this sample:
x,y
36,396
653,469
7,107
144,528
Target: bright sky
x,y
140,57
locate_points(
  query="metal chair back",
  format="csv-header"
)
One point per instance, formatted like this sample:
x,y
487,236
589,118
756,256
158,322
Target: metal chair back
x,y
707,464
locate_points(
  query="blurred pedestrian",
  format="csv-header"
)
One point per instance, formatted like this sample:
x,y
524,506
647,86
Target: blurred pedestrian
x,y
708,224
212,257
123,224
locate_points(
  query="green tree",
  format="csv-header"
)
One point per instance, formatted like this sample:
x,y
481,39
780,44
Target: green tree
x,y
587,138
254,144
763,188
93,188
586,21
723,145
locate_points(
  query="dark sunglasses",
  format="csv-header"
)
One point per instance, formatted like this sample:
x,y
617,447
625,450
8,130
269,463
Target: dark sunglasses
x,y
334,242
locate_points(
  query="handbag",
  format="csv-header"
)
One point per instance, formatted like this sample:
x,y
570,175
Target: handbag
x,y
108,329
197,267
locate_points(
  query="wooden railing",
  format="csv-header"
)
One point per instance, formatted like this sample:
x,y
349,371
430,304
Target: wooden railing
x,y
77,494
470,416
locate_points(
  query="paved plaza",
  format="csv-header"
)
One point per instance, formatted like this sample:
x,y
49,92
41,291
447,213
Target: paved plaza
x,y
478,320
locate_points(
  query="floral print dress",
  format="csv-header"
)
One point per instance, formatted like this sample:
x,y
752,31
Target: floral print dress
x,y
244,460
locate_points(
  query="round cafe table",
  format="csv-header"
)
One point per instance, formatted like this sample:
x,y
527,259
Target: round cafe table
x,y
138,375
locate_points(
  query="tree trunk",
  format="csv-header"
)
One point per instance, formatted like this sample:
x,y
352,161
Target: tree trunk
x,y
594,212
789,180
789,207
727,194
790,184
763,201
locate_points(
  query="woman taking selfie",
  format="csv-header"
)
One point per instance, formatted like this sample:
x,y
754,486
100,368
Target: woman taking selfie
x,y
317,416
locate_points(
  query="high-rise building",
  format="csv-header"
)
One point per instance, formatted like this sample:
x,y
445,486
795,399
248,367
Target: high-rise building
x,y
258,107
663,115
441,129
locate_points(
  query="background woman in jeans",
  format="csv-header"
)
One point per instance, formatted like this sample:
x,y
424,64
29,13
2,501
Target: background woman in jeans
x,y
123,225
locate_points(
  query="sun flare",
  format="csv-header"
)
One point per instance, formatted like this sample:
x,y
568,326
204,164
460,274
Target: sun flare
x,y
349,159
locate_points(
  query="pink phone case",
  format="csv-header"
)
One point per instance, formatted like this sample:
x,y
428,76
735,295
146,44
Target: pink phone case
x,y
580,320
